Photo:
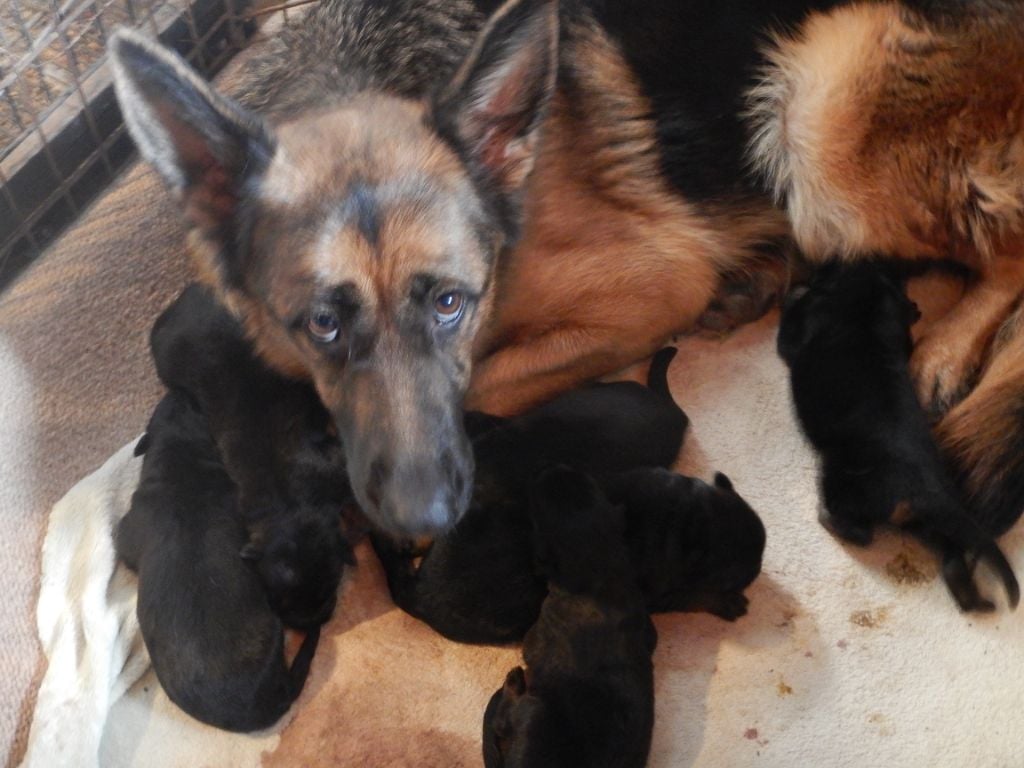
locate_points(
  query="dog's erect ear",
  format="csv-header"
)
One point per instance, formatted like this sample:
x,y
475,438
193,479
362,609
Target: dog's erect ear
x,y
494,107
203,144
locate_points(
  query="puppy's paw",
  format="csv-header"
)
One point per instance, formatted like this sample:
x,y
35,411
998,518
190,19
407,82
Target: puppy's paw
x,y
729,606
945,367
973,603
838,526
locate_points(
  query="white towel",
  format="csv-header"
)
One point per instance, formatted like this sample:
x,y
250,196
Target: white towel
x,y
86,619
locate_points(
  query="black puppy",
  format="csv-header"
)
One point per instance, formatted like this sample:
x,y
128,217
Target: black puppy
x,y
477,584
847,342
587,695
694,546
216,645
276,441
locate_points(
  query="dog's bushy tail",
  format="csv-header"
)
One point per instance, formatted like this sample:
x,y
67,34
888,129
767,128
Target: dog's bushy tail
x,y
963,543
302,662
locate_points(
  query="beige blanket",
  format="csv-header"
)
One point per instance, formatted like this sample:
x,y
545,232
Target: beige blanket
x,y
847,658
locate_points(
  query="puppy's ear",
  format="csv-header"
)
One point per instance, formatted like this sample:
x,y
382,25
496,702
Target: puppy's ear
x,y
204,145
515,683
794,295
493,109
722,481
348,556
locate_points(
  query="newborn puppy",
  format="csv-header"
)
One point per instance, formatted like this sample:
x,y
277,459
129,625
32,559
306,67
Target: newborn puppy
x,y
587,695
277,443
477,583
847,343
694,546
598,428
216,646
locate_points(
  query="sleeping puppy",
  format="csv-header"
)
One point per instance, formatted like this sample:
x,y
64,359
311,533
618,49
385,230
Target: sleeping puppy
x,y
599,428
277,443
694,546
847,343
215,644
587,694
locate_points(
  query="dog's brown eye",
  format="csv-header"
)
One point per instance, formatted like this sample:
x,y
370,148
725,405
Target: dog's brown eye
x,y
448,306
323,325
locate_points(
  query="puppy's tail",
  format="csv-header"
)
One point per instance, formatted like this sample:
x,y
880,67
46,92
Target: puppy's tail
x,y
303,661
657,374
963,543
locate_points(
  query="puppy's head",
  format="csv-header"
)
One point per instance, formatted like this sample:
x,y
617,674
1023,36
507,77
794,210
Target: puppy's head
x,y
578,533
842,301
357,241
299,557
514,726
687,536
742,546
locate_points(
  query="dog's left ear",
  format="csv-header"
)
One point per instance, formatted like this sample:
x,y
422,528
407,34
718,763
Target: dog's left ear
x,y
203,144
493,109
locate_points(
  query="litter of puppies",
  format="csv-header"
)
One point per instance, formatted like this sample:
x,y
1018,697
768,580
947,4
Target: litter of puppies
x,y
586,473
576,532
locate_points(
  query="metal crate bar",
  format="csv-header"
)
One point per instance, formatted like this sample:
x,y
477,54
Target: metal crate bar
x,y
62,139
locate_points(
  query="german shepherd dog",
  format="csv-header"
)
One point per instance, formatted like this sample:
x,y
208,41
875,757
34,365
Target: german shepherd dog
x,y
413,203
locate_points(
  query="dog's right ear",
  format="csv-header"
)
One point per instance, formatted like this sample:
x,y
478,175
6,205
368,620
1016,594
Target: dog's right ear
x,y
203,144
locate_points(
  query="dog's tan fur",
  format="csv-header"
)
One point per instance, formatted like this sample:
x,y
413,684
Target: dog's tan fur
x,y
883,134
612,261
980,432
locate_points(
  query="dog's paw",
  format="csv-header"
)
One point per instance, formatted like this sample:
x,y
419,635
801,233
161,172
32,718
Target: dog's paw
x,y
743,298
945,367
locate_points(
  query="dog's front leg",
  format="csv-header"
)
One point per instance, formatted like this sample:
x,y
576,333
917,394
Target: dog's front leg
x,y
528,372
948,358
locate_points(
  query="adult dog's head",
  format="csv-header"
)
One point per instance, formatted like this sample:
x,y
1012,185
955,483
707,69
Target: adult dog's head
x,y
357,240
